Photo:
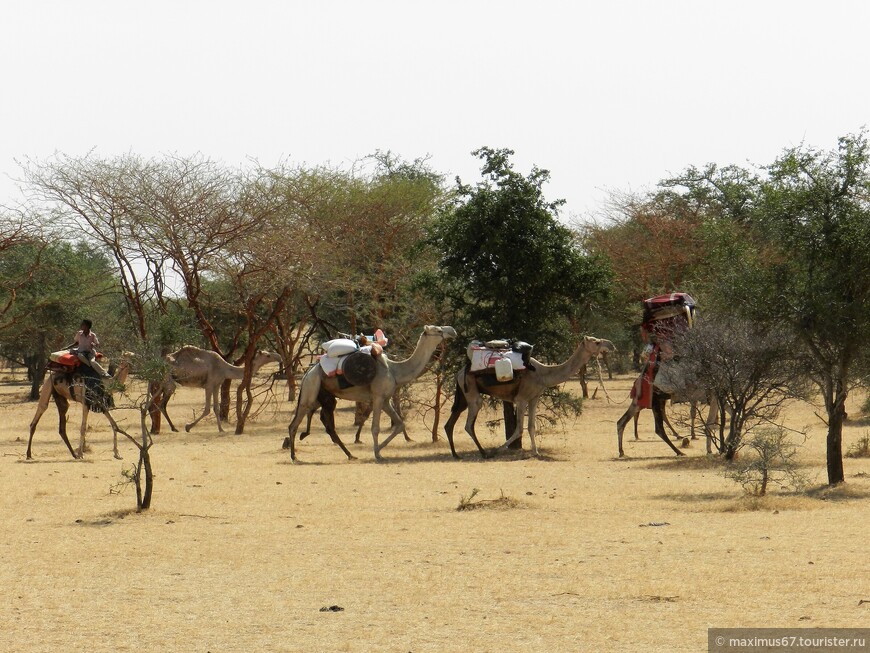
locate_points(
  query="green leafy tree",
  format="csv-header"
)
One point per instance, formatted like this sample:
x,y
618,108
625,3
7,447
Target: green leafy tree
x,y
507,266
795,252
59,284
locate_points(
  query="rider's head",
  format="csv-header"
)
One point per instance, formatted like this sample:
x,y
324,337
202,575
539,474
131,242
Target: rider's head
x,y
86,325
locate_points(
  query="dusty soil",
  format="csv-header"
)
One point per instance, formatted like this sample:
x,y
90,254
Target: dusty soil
x,y
575,551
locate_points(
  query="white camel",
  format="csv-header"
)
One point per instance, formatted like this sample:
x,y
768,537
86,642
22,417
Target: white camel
x,y
65,387
388,376
524,391
200,368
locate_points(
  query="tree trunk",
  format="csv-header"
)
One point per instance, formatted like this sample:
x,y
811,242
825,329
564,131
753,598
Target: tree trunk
x,y
225,400
510,425
145,465
439,392
36,368
836,416
153,411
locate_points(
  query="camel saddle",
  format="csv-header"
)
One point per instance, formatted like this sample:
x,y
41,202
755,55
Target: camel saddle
x,y
355,368
66,361
484,356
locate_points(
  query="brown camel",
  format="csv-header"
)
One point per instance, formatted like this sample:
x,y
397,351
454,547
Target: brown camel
x,y
523,391
193,367
668,384
389,375
65,387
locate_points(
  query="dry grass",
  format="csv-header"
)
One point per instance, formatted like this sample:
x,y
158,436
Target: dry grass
x,y
242,549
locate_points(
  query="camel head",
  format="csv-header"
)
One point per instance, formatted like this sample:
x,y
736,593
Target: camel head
x,y
443,332
597,346
264,357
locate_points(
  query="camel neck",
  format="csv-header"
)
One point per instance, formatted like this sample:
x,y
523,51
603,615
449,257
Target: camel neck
x,y
553,375
407,370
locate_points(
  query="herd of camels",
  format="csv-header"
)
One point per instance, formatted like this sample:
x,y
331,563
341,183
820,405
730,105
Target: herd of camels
x,y
194,367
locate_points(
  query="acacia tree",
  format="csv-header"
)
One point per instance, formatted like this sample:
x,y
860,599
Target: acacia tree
x,y
802,259
507,266
94,199
749,367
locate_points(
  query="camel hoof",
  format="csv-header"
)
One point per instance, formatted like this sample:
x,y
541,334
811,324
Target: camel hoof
x,y
352,457
302,436
286,444
118,457
187,428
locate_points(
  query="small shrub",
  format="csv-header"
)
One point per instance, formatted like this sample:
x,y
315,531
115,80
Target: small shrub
x,y
861,448
771,461
502,503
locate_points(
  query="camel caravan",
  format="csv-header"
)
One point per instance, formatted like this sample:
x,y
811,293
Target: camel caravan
x,y
353,369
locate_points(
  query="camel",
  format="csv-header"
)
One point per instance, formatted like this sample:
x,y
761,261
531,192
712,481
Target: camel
x,y
200,368
523,391
389,375
65,387
668,384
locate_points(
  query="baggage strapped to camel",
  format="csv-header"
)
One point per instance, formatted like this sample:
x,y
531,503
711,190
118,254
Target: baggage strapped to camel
x,y
664,316
66,361
500,357
353,359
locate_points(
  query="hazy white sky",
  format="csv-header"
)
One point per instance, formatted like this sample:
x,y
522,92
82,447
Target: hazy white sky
x,y
606,95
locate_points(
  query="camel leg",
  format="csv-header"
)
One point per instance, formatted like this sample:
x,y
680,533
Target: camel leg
x,y
533,426
41,407
459,405
290,440
115,430
210,397
667,422
398,425
518,431
658,413
474,402
327,418
162,402
323,399
305,406
62,404
362,411
362,414
302,412
632,412
710,422
83,428
307,430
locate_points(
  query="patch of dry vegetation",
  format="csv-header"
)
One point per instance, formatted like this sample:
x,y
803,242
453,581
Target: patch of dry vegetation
x,y
502,502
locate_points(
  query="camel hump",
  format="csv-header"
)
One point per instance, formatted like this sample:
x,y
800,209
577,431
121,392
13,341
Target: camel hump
x,y
359,368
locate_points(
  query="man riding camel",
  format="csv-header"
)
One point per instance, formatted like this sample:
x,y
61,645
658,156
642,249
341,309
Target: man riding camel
x,y
85,348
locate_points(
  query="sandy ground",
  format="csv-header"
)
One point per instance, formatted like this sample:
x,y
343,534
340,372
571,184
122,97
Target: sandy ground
x,y
575,551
